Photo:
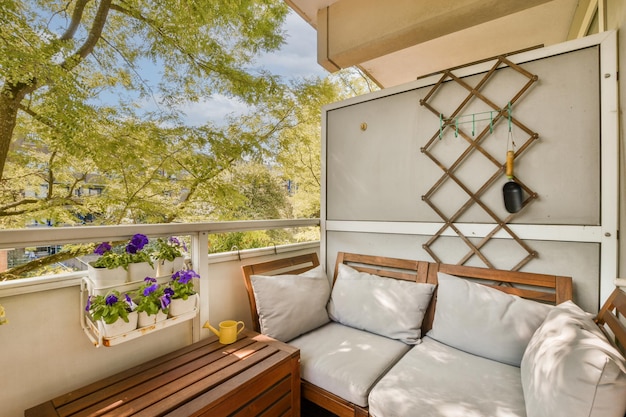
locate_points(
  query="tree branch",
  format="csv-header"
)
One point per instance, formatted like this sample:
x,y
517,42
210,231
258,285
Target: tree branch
x,y
77,16
92,38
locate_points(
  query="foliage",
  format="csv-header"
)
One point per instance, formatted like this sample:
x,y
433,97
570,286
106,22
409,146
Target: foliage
x,y
252,191
225,242
299,145
58,60
181,284
152,297
73,92
3,317
110,307
113,257
167,249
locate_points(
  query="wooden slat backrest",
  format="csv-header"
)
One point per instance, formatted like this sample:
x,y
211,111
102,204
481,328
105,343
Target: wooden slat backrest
x,y
292,265
613,313
539,287
552,289
559,289
384,266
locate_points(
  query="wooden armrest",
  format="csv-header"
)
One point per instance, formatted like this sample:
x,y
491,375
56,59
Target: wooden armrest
x,y
614,307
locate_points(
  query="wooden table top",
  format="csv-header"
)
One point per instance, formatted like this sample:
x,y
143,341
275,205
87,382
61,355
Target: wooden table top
x,y
200,376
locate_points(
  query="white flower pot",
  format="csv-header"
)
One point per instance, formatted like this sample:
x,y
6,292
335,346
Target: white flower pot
x,y
139,271
104,277
166,268
179,263
120,326
145,320
179,306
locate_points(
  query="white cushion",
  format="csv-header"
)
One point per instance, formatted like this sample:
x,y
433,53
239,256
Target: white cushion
x,y
436,380
346,361
484,321
290,305
385,306
570,368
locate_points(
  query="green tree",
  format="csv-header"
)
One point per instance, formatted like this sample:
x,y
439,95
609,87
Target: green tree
x,y
56,56
65,156
60,146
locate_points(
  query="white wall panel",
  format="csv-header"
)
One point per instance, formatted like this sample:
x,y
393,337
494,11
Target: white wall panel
x,y
380,174
374,177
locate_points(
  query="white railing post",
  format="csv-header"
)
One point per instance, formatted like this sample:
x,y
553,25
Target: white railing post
x,y
200,261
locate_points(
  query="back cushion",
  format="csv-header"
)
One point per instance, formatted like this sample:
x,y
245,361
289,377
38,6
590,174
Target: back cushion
x,y
571,369
385,306
484,321
291,305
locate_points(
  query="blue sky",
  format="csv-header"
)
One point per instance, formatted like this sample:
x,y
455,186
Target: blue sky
x,y
297,58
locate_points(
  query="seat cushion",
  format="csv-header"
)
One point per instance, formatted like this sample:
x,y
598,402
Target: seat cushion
x,y
571,369
436,380
346,361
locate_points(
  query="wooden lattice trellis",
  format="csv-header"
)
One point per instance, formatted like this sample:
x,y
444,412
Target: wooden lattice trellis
x,y
500,113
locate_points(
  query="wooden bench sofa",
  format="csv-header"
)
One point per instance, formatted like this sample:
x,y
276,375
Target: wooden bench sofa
x,y
400,388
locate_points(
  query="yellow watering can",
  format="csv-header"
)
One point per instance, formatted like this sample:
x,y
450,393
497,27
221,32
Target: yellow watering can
x,y
229,329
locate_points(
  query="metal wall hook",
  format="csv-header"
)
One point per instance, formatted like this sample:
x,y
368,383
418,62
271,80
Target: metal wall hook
x,y
238,251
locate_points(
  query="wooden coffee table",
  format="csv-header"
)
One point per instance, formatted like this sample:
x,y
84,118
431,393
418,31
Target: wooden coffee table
x,y
253,376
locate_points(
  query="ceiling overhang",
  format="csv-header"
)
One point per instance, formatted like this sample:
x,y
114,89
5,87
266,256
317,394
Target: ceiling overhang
x,y
397,41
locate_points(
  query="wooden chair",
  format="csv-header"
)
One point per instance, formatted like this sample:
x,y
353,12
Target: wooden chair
x,y
609,315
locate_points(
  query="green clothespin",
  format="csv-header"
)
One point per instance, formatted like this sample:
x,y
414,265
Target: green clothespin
x,y
440,126
473,124
510,115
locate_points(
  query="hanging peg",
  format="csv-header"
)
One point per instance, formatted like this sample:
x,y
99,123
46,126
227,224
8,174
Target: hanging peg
x,y
510,114
473,124
440,126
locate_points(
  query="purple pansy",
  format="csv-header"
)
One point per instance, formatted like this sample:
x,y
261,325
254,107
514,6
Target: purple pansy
x,y
168,291
165,301
88,306
111,299
130,302
137,242
185,276
102,248
174,241
150,289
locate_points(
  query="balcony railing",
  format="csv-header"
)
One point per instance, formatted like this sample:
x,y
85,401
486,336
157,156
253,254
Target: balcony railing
x,y
44,351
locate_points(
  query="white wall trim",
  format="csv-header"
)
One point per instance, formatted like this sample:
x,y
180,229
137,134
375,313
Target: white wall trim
x,y
558,233
609,151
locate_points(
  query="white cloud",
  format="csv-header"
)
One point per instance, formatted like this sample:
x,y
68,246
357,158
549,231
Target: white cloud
x,y
214,109
298,56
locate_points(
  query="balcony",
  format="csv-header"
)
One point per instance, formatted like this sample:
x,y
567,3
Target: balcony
x,y
46,353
